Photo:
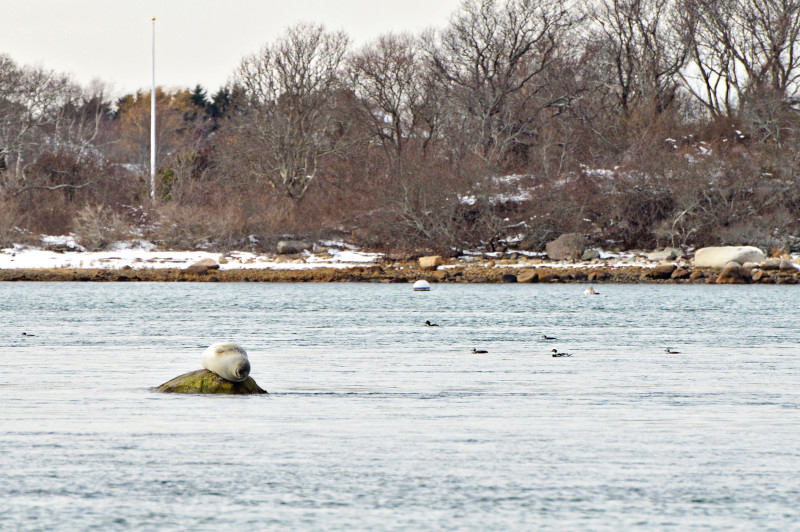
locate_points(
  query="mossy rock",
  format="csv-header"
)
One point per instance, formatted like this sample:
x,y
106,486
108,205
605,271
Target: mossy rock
x,y
204,381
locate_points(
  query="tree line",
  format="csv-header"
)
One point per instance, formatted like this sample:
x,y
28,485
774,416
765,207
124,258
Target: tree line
x,y
635,122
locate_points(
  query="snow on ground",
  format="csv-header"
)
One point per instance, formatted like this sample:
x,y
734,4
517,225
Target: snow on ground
x,y
331,254
143,255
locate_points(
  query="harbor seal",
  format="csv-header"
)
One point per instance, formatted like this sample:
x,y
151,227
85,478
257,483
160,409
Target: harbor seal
x,y
228,360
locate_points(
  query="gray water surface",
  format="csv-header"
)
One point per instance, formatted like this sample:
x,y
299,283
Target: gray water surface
x,y
375,421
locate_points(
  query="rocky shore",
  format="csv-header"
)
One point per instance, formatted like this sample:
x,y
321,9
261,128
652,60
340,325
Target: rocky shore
x,y
567,259
503,270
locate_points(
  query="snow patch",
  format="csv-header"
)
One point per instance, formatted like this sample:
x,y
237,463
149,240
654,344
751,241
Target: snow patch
x,y
142,255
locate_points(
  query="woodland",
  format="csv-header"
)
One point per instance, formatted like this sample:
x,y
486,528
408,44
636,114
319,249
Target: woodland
x,y
637,123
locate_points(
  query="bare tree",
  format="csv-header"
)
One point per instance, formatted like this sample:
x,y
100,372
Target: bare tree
x,y
288,121
743,50
84,127
51,130
494,50
32,101
643,49
389,79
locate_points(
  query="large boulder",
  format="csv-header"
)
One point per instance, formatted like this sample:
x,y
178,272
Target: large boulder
x,y
719,256
202,266
761,277
431,262
733,273
680,273
441,275
569,246
204,381
665,254
548,277
663,271
590,254
528,276
291,247
598,275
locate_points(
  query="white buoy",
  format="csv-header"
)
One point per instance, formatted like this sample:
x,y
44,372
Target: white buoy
x,y
422,286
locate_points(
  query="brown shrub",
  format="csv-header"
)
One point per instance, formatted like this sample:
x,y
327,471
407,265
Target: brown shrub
x,y
97,226
10,232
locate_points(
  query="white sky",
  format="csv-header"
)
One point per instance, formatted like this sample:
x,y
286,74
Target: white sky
x,y
197,41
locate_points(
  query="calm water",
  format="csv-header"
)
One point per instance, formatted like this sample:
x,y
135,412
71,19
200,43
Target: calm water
x,y
375,421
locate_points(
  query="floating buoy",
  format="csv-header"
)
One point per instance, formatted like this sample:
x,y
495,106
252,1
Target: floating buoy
x,y
422,286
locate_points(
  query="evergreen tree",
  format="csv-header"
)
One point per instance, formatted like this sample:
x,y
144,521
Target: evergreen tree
x,y
124,103
220,103
199,97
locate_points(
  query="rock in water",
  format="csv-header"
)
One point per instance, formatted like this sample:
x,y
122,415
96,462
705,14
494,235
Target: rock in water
x,y
204,381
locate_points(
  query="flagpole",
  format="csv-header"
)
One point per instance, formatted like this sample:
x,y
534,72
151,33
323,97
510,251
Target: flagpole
x,y
153,123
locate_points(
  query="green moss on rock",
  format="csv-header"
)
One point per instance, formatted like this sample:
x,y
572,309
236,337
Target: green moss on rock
x,y
204,381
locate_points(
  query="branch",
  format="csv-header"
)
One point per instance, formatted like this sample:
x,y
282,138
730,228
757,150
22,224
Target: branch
x,y
56,187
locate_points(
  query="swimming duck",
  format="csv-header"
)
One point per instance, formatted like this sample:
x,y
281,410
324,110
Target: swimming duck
x,y
26,334
545,337
590,291
557,354
479,351
671,352
429,324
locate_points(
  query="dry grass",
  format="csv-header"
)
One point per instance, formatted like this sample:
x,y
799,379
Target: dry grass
x,y
96,227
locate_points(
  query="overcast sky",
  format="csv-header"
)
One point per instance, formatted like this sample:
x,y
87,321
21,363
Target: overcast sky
x,y
197,41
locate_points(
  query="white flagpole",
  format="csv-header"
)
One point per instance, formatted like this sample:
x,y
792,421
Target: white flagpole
x,y
153,123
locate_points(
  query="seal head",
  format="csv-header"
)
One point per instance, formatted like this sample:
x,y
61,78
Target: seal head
x,y
228,360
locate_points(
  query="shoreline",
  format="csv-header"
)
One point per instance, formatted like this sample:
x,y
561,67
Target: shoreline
x,y
407,272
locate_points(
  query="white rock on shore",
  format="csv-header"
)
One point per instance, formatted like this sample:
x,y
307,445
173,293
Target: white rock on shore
x,y
719,256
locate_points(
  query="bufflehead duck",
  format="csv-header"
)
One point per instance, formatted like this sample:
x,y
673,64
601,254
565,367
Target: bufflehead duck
x,y
557,354
479,351
671,352
545,337
429,324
